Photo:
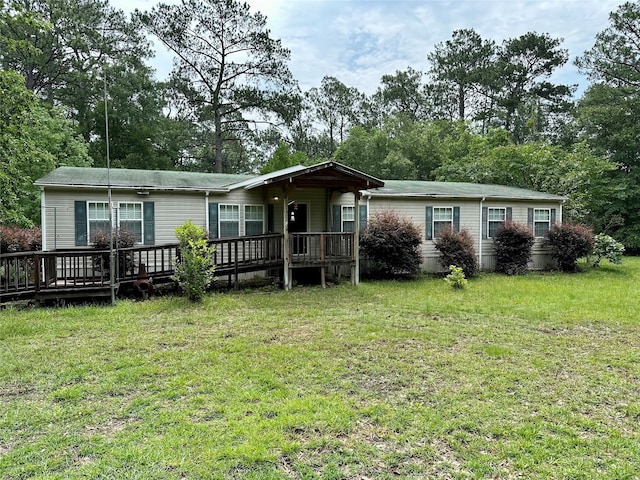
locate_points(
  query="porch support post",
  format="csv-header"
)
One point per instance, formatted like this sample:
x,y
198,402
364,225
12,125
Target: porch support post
x,y
355,273
287,280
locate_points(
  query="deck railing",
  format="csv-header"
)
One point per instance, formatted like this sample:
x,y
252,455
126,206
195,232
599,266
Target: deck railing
x,y
26,274
322,248
246,254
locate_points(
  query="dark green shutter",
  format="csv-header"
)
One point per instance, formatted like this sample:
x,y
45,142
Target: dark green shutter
x,y
530,218
428,221
363,217
553,216
270,218
148,216
213,221
80,213
509,216
336,218
456,218
485,219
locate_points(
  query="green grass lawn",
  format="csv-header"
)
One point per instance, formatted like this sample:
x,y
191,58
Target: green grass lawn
x,y
528,377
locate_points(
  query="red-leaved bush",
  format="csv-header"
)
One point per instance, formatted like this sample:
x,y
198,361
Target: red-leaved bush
x,y
569,242
513,242
391,243
456,248
16,239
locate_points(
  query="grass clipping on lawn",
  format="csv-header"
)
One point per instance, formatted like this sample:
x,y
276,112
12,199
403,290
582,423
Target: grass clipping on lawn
x,y
512,377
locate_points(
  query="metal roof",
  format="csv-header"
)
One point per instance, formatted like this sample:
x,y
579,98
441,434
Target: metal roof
x,y
409,188
139,179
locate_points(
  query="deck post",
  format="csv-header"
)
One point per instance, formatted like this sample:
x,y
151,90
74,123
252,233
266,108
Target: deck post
x,y
355,277
288,281
323,268
37,265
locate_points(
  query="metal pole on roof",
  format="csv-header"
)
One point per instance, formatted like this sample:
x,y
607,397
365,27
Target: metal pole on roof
x,y
106,137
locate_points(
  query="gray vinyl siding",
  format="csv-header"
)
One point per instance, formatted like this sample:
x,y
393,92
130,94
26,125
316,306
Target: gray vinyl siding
x,y
470,219
59,231
316,205
59,219
173,208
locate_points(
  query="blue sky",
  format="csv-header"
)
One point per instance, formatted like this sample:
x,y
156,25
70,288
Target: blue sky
x,y
358,41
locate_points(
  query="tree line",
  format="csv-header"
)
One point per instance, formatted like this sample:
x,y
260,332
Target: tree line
x,y
485,110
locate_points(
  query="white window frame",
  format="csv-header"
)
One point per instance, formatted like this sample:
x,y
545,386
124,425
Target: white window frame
x,y
247,220
441,221
536,221
348,216
141,219
90,234
491,221
236,220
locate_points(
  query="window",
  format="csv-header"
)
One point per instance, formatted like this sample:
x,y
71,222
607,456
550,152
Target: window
x,y
442,218
253,220
130,219
495,218
348,218
98,216
541,221
229,220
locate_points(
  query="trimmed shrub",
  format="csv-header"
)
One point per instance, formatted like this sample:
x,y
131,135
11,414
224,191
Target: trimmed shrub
x,y
391,243
102,241
513,242
569,242
16,239
607,247
456,248
194,270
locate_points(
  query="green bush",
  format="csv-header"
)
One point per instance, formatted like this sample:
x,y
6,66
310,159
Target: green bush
x,y
194,270
456,248
456,277
569,242
607,247
392,244
513,242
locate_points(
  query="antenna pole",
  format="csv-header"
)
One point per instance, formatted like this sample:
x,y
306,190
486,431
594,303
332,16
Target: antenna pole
x,y
111,230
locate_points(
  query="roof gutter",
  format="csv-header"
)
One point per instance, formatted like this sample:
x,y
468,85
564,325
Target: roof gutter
x,y
135,188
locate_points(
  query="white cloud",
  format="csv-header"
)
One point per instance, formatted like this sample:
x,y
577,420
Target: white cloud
x,y
358,41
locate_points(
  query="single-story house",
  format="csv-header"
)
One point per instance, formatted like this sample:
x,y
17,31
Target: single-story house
x,y
327,197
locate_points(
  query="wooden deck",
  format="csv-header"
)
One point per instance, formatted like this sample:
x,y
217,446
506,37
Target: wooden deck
x,y
82,273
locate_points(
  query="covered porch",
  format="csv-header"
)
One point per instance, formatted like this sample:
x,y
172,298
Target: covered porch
x,y
288,193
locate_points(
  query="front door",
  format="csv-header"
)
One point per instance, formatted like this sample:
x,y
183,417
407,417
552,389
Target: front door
x,y
298,218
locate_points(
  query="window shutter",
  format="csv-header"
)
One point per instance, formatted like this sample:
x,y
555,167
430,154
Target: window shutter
x,y
530,218
553,216
509,215
363,217
270,218
336,218
456,218
80,213
148,216
213,221
485,219
428,221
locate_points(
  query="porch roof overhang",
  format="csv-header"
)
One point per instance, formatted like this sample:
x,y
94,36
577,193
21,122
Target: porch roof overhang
x,y
330,175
